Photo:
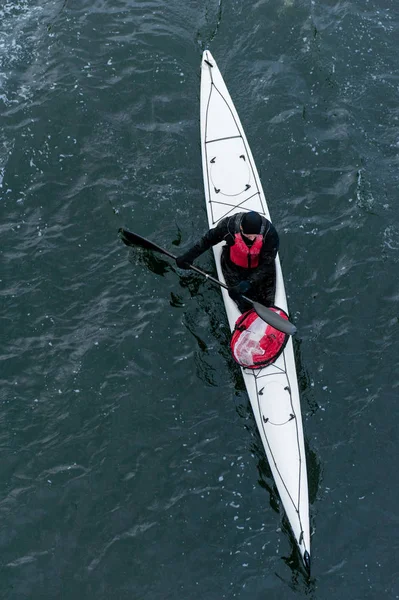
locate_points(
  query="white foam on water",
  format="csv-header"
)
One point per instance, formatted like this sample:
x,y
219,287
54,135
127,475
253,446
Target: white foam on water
x,y
17,45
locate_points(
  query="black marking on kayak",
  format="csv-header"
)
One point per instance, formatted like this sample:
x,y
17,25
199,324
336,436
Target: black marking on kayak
x,y
267,420
230,137
221,203
296,503
247,187
233,206
217,190
254,372
240,205
282,372
301,538
213,159
206,126
242,156
233,195
241,135
208,63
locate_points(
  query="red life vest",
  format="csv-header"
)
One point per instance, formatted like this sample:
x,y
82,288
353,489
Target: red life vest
x,y
243,255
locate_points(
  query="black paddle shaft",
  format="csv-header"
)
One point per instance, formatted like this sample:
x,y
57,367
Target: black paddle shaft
x,y
138,240
271,317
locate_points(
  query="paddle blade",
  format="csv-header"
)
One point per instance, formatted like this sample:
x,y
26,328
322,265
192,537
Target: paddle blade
x,y
274,319
133,239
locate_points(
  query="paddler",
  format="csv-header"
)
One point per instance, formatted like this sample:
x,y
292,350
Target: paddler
x,y
248,256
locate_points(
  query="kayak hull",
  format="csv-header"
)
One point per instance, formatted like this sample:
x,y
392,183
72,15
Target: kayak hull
x,y
232,185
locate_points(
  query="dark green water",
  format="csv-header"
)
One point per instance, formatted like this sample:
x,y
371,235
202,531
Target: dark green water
x,y
130,463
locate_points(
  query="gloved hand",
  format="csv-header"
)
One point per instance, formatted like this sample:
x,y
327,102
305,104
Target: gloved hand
x,y
183,261
241,288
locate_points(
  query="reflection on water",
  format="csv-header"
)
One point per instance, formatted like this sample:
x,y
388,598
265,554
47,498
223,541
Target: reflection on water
x,y
300,581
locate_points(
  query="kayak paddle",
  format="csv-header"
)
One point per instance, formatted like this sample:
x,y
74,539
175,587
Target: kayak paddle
x,y
269,316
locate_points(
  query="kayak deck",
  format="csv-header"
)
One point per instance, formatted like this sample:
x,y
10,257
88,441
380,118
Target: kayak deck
x,y
232,185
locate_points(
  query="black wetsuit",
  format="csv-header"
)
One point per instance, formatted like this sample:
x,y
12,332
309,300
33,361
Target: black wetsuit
x,y
261,278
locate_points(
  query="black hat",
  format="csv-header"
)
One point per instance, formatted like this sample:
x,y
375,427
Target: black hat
x,y
251,222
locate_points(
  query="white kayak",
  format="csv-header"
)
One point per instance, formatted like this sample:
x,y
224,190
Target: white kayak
x,y
232,185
